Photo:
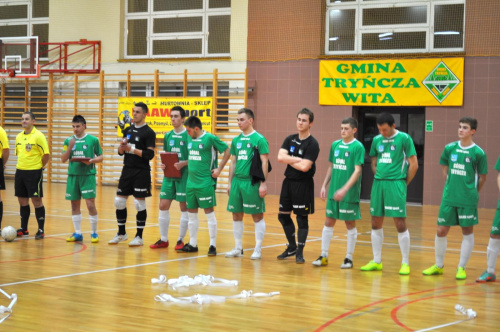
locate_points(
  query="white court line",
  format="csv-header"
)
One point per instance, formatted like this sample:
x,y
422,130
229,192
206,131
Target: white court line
x,y
124,267
170,260
444,325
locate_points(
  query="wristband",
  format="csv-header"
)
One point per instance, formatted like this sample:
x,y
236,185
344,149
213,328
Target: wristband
x,y
132,149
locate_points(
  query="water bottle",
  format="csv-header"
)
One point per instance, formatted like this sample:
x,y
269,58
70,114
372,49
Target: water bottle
x,y
471,313
460,309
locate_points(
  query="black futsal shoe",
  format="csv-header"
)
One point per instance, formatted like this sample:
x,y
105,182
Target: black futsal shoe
x,y
287,253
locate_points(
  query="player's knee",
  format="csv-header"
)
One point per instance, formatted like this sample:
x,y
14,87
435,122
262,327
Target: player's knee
x,y
120,203
285,219
140,204
303,221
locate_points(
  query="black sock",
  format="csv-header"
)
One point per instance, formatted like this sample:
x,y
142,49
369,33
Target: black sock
x,y
303,225
289,228
25,212
302,236
141,222
300,250
121,218
1,213
40,217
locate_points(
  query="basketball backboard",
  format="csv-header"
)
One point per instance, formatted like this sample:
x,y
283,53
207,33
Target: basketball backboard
x,y
19,56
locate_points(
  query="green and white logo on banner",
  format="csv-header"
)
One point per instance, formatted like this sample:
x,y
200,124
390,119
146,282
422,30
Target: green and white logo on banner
x,y
441,82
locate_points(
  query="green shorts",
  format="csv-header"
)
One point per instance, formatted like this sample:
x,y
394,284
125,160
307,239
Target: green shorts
x,y
495,227
388,198
200,197
80,186
174,189
452,216
342,210
244,197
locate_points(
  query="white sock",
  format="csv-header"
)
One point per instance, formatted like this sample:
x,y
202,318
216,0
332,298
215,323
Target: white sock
x,y
183,225
163,223
238,234
212,228
466,250
77,223
404,245
352,235
260,230
93,223
377,241
193,225
491,256
326,237
440,245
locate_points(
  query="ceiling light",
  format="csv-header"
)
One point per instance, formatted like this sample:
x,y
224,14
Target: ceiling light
x,y
387,34
447,33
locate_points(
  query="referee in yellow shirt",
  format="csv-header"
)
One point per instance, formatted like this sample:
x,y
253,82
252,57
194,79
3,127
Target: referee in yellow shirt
x,y
4,156
32,154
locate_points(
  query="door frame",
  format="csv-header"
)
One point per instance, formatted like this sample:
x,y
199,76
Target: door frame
x,y
415,189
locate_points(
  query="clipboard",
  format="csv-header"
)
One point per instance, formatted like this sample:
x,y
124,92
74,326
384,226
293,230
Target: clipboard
x,y
79,159
169,159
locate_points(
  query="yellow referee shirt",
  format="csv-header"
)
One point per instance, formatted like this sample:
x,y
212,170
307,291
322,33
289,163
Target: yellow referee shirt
x,y
4,141
30,149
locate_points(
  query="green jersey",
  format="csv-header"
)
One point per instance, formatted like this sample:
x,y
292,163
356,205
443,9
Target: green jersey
x,y
392,155
86,147
202,159
497,167
177,142
344,157
464,166
243,148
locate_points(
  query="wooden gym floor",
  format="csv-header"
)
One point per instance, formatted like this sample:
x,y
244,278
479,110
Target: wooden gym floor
x,y
97,287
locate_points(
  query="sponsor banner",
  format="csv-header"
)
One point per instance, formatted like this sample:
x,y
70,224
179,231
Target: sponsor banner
x,y
159,112
416,82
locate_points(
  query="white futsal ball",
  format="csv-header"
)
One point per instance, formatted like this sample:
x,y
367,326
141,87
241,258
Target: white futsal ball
x,y
9,233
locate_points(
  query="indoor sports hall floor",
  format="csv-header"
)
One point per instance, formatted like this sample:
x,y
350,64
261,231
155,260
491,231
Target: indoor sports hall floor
x,y
98,287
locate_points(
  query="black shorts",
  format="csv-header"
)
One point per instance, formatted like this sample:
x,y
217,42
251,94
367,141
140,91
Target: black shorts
x,y
28,183
2,176
135,182
297,196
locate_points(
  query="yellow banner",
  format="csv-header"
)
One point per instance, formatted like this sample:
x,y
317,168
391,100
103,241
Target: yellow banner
x,y
159,112
417,82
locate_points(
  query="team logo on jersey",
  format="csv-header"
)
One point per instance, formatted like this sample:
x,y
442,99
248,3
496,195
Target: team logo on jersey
x,y
249,145
336,153
200,146
393,148
346,154
467,159
181,143
85,146
190,145
238,145
454,157
28,147
380,148
300,151
136,138
292,149
171,142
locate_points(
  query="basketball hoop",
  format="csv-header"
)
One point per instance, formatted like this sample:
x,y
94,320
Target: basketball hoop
x,y
6,74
